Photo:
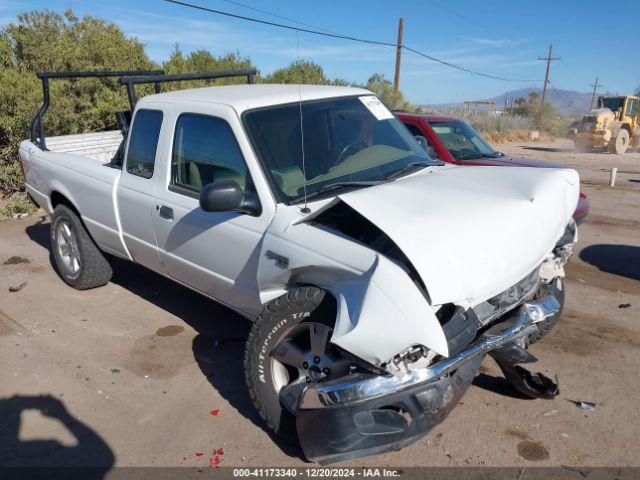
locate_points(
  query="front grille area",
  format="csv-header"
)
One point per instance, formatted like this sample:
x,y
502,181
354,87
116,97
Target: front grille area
x,y
510,298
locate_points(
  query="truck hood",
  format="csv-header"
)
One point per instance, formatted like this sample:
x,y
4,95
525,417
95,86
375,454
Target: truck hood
x,y
471,232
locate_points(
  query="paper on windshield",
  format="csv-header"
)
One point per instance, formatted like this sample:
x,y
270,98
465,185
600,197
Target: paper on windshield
x,y
376,107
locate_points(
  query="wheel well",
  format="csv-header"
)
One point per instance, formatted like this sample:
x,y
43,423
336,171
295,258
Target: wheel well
x,y
329,302
58,198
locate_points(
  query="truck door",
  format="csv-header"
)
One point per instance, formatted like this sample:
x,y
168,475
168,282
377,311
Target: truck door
x,y
136,186
214,252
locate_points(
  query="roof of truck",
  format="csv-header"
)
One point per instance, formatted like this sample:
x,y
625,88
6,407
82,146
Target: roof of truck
x,y
244,97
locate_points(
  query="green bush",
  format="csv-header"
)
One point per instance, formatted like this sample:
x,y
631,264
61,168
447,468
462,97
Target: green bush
x,y
49,41
45,40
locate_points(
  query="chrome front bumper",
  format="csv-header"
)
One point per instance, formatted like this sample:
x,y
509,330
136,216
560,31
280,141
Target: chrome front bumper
x,y
369,414
367,387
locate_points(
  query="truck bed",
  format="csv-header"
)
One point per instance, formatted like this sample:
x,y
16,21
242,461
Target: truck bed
x,y
76,166
100,146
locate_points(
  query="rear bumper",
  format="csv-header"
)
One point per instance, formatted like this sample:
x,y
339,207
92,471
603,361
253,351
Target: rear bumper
x,y
370,414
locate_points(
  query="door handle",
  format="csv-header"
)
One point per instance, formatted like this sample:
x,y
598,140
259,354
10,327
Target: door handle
x,y
166,212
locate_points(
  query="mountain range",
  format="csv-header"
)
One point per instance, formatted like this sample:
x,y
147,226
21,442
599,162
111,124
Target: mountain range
x,y
566,102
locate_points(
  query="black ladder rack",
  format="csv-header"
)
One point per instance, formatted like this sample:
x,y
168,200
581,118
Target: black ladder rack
x,y
37,125
131,81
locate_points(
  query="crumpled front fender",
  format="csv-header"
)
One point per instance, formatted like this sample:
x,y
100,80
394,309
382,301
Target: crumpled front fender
x,y
380,310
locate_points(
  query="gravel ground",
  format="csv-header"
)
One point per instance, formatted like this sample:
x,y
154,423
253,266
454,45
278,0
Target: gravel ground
x,y
144,372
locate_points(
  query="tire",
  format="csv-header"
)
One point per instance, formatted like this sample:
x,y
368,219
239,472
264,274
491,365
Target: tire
x,y
555,288
622,142
78,259
276,325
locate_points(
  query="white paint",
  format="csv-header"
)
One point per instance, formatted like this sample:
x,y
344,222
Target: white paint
x,y
472,232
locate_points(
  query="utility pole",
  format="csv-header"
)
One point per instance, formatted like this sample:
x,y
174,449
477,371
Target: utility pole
x,y
396,78
549,58
595,86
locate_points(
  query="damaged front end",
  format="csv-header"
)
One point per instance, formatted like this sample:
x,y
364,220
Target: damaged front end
x,y
372,413
368,414
420,307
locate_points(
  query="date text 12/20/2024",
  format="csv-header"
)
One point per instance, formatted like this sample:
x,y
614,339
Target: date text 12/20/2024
x,y
315,472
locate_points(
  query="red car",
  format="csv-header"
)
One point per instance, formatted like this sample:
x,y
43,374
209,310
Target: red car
x,y
453,141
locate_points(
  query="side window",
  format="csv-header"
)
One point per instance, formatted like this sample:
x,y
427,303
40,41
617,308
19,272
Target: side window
x,y
630,107
205,150
416,132
143,143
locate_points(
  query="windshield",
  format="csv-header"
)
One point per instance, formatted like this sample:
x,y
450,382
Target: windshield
x,y
349,142
462,141
612,103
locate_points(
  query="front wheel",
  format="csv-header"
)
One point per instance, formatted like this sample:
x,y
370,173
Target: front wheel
x,y
555,288
287,349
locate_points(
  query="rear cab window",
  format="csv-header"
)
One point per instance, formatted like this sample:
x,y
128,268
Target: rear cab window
x,y
143,143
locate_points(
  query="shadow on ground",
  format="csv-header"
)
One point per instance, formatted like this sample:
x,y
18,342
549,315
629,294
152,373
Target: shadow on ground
x,y
90,451
548,149
219,346
497,385
623,260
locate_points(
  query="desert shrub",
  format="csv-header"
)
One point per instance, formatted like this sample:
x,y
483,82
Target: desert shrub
x,y
44,40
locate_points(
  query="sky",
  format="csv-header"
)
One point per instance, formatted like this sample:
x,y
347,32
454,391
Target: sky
x,y
499,37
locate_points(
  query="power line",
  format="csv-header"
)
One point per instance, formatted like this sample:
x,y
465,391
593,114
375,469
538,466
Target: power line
x,y
459,15
275,15
468,70
279,25
342,37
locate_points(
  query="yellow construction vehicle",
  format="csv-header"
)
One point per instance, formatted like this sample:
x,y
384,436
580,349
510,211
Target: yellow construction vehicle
x,y
613,125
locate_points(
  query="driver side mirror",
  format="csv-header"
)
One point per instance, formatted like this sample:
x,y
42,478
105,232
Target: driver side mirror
x,y
227,196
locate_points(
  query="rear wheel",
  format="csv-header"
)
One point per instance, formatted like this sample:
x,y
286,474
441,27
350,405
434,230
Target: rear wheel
x,y
78,259
622,142
287,349
555,288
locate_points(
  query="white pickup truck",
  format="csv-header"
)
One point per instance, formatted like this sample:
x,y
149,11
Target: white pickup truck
x,y
377,279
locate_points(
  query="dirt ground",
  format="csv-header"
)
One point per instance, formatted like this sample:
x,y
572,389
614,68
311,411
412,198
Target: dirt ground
x,y
143,372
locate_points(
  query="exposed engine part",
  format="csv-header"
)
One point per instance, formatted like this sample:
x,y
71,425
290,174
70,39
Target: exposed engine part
x,y
553,265
344,219
411,359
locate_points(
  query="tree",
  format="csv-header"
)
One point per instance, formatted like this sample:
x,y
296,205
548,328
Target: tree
x,y
204,61
49,41
383,88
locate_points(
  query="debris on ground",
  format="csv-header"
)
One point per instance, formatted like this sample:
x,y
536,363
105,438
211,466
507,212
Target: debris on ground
x,y
15,260
115,370
624,305
549,413
583,405
215,412
19,216
19,287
